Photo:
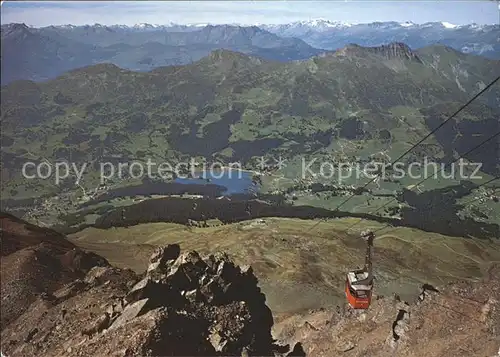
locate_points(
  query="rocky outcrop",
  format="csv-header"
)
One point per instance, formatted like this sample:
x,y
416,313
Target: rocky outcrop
x,y
18,234
36,262
458,319
66,302
394,50
216,303
183,306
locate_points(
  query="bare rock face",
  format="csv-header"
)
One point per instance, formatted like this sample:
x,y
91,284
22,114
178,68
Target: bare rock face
x,y
38,271
130,312
183,306
212,300
394,50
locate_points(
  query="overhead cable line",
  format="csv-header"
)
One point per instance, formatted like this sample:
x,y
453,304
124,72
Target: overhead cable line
x,y
428,177
463,204
418,143
425,137
390,225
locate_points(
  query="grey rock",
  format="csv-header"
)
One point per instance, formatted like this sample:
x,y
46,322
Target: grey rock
x,y
97,325
96,274
130,312
114,309
193,296
140,290
211,291
345,346
31,334
245,352
161,256
217,341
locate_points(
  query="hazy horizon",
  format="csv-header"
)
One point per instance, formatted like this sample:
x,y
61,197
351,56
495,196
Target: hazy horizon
x,y
47,13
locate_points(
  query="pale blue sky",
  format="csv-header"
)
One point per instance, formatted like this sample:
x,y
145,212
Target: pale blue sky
x,y
247,12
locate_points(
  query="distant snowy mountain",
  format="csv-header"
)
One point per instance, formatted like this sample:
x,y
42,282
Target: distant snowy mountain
x,y
407,24
42,53
331,35
477,39
302,27
448,25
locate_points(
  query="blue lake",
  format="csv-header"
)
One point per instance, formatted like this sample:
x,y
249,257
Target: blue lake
x,y
235,182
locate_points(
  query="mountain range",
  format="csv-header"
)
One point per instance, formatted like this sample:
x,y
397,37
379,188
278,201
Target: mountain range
x,y
40,54
476,39
44,53
229,106
146,267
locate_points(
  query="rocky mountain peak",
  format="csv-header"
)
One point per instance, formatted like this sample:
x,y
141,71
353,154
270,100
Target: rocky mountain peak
x,y
184,305
232,58
20,30
394,50
224,54
231,33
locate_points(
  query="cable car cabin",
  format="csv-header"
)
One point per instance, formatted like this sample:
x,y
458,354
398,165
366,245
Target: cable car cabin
x,y
358,296
359,283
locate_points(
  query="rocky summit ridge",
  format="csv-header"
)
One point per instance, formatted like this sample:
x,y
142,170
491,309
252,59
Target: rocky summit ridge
x,y
393,50
58,300
183,306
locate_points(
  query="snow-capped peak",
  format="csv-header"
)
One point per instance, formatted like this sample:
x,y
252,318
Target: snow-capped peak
x,y
407,24
145,26
448,25
67,26
323,23
477,27
120,26
311,24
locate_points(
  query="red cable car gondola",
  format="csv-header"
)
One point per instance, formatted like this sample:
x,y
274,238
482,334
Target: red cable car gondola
x,y
359,283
